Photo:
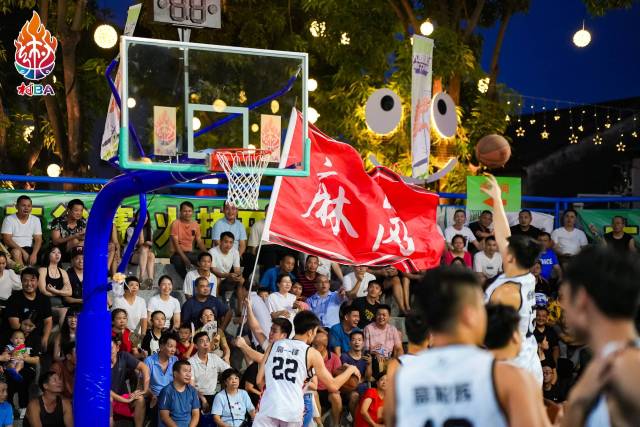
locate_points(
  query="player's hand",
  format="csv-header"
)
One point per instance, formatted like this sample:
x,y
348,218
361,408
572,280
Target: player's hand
x,y
240,342
595,377
491,188
355,371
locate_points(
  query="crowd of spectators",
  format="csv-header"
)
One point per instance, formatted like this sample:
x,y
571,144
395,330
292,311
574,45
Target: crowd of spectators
x,y
174,357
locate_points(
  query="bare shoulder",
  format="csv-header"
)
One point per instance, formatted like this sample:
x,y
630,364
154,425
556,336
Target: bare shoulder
x,y
507,293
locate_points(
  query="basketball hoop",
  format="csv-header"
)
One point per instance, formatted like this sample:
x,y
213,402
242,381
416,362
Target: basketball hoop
x,y
244,168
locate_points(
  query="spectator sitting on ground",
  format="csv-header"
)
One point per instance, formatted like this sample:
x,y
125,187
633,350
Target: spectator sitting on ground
x,y
143,255
30,304
66,368
50,409
178,403
270,277
568,239
282,303
192,309
22,233
216,335
524,225
134,305
332,363
232,405
226,265
383,340
206,366
123,403
164,302
482,228
151,341
184,233
457,250
369,412
230,222
548,259
205,261
458,227
616,238
488,262
356,283
119,328
296,289
66,335
53,281
68,231
307,277
340,333
76,276
9,281
356,357
326,303
368,305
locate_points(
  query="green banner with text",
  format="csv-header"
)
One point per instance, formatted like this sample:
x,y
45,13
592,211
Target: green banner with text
x,y
477,200
163,210
601,219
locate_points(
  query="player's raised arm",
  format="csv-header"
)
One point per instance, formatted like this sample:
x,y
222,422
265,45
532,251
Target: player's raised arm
x,y
500,222
260,376
333,383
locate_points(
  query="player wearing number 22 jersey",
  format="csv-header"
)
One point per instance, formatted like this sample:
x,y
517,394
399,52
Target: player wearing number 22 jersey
x,y
455,383
286,365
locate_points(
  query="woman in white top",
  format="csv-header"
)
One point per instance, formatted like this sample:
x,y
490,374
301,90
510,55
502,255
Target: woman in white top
x,y
9,280
281,303
135,306
165,303
54,282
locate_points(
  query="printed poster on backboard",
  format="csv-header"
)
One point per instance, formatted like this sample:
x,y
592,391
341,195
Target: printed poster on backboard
x,y
270,133
164,131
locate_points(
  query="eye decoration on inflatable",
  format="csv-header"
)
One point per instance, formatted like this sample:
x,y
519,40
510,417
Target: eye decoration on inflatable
x,y
383,111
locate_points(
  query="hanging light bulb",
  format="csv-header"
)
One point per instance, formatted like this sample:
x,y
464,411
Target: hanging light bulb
x,y
195,123
312,115
426,28
312,84
219,105
105,36
582,37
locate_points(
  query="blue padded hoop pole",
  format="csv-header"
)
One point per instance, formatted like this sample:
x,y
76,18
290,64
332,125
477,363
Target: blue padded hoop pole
x,y
286,88
131,246
91,403
116,96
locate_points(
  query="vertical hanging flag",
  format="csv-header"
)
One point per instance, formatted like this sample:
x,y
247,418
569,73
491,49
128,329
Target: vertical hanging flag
x,y
421,105
111,134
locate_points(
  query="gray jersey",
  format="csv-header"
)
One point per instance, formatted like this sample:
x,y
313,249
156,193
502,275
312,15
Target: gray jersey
x,y
448,386
527,358
285,372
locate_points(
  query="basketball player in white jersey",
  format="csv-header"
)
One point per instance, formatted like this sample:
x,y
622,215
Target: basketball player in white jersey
x,y
516,286
455,383
286,365
600,295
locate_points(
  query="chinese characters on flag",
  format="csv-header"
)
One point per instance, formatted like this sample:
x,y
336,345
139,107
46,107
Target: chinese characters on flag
x,y
343,213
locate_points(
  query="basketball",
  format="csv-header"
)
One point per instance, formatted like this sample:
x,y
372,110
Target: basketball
x,y
493,151
351,384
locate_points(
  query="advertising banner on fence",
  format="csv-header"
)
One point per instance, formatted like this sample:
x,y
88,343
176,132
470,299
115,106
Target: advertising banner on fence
x,y
601,219
163,210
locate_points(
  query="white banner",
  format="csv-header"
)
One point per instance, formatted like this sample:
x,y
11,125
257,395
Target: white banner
x,y
421,105
111,134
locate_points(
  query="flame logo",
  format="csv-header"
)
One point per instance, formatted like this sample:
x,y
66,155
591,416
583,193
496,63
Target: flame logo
x,y
35,50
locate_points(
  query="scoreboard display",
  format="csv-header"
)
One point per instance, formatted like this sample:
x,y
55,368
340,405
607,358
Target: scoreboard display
x,y
188,13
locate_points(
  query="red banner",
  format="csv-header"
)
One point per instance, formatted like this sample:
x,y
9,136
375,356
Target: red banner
x,y
342,213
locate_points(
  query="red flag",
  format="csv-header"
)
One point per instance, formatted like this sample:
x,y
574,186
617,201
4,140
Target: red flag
x,y
342,213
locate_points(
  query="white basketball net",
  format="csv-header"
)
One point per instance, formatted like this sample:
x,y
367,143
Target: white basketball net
x,y
244,169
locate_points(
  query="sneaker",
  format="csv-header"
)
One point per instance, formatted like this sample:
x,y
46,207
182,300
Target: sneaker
x,y
23,412
146,284
349,418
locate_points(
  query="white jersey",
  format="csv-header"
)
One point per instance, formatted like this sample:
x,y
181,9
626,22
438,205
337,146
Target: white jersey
x,y
450,385
528,358
285,373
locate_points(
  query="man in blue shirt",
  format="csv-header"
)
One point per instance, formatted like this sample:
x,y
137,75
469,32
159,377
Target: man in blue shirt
x,y
340,333
202,299
161,364
270,277
548,259
325,303
230,223
178,402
